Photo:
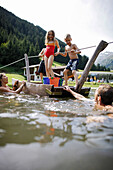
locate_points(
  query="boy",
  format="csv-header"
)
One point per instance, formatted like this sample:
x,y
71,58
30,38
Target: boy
x,y
72,51
103,97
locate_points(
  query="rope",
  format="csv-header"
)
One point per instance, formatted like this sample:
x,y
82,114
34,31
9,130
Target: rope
x,y
33,56
17,61
12,63
110,42
39,56
87,47
90,47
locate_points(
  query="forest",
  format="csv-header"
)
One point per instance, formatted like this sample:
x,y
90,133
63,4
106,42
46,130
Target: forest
x,y
18,37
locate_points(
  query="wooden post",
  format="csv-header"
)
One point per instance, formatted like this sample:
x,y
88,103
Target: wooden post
x,y
102,45
27,67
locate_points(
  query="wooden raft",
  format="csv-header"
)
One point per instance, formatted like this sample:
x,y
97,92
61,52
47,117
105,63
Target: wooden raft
x,y
60,92
50,90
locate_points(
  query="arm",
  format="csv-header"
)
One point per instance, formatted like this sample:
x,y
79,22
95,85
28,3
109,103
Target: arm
x,y
58,47
41,54
5,89
64,54
76,95
20,88
75,49
15,86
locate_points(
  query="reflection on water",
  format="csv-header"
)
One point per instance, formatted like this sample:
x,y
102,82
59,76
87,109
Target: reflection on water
x,y
71,128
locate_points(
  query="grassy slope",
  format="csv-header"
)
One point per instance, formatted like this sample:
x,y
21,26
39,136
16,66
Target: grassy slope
x,y
16,76
70,83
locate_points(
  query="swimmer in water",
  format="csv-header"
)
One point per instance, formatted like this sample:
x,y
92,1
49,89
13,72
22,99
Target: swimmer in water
x,y
5,88
103,97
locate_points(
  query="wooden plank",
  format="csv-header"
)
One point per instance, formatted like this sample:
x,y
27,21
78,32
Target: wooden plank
x,y
102,45
27,67
60,92
58,75
49,92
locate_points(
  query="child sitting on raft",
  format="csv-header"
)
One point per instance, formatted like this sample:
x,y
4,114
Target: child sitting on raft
x,y
50,43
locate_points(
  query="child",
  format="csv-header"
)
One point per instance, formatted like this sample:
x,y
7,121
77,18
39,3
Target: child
x,y
5,88
103,97
50,43
72,50
41,69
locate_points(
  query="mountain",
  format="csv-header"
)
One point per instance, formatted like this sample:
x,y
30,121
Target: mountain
x,y
105,59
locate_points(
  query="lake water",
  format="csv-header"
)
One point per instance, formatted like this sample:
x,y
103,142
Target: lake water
x,y
54,134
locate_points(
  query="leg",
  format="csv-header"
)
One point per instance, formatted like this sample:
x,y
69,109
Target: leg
x,y
46,66
75,77
74,68
65,76
41,76
50,62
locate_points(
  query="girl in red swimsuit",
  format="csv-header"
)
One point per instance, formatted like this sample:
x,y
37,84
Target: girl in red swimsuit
x,y
50,43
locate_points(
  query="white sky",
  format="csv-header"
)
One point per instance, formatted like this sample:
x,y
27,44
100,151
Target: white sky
x,y
88,21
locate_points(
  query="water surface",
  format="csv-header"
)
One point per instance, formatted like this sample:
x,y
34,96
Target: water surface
x,y
42,133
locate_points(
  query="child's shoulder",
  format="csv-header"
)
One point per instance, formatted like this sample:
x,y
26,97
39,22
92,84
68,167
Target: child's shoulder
x,y
74,45
55,40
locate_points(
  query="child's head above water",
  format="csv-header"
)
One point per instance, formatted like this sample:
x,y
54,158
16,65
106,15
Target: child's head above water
x,y
105,91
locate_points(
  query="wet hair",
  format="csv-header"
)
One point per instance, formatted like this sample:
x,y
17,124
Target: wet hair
x,y
106,93
47,36
67,36
1,79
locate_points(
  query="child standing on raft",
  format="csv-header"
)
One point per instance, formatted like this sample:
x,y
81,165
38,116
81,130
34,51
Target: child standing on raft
x,y
50,43
72,50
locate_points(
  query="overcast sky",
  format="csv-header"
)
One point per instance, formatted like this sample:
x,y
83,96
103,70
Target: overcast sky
x,y
88,21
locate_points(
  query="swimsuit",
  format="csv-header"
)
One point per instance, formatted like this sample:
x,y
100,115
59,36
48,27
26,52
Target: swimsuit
x,y
50,49
72,64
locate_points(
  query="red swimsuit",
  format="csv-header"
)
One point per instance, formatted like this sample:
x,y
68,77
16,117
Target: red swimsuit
x,y
49,49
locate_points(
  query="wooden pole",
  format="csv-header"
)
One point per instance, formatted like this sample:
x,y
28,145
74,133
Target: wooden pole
x,y
102,45
27,67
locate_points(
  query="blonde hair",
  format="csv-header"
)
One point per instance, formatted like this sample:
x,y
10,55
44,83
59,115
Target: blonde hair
x,y
67,36
47,36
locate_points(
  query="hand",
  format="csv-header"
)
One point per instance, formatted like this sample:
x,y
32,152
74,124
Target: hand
x,y
57,53
73,51
66,88
23,82
109,107
16,83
